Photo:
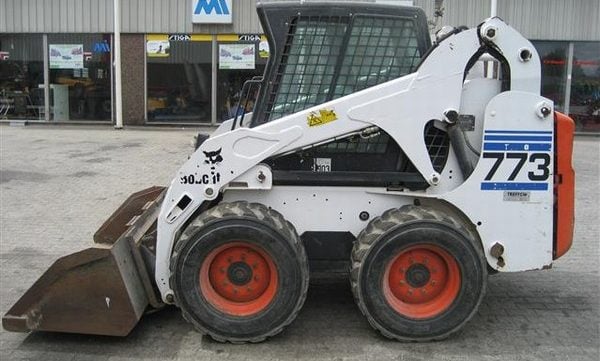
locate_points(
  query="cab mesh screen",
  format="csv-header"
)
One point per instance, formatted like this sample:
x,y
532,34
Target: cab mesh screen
x,y
327,57
379,49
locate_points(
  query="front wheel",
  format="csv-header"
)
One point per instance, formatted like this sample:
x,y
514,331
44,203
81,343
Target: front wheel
x,y
417,274
239,272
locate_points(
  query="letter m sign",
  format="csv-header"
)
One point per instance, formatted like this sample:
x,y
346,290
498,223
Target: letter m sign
x,y
212,11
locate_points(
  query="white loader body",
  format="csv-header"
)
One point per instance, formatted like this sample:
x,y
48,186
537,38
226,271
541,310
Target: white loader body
x,y
513,210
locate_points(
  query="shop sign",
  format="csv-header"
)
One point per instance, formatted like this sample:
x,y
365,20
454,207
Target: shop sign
x,y
158,48
212,11
66,56
236,56
101,47
249,37
4,55
87,55
180,37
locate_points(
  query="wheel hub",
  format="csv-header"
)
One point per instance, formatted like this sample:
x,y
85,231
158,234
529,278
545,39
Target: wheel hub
x,y
239,273
421,281
417,275
238,278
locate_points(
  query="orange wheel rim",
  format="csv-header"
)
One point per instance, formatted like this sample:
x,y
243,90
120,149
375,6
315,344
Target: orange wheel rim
x,y
421,281
238,278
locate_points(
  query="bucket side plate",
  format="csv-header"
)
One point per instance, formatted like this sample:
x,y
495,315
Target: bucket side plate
x,y
95,291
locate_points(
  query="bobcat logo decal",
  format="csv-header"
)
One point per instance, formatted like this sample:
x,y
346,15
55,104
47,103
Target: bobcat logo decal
x,y
213,157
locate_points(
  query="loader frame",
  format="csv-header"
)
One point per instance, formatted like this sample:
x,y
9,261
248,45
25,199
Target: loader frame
x,y
230,162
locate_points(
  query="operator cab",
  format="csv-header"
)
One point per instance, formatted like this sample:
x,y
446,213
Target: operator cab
x,y
322,52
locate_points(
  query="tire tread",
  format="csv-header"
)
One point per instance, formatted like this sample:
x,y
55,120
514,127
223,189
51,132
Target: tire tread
x,y
247,210
380,225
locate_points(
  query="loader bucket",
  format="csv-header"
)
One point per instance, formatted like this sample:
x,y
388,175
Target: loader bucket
x,y
103,290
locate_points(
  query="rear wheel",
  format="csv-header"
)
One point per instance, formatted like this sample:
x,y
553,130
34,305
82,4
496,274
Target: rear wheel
x,y
417,274
239,272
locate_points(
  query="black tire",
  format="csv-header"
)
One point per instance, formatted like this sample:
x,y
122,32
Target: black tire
x,y
396,233
261,229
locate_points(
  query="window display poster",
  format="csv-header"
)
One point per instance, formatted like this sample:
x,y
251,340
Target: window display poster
x,y
158,48
66,56
236,56
263,49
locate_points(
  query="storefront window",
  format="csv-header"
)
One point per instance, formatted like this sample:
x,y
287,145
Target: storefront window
x,y
585,86
21,76
238,61
179,78
80,81
554,56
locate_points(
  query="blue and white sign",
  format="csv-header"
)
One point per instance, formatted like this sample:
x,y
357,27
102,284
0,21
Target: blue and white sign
x,y
212,11
525,154
101,47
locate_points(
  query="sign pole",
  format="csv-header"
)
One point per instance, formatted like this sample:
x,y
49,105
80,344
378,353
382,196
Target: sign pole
x,y
117,66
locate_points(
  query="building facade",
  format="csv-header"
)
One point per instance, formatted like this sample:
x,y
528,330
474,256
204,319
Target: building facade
x,y
184,61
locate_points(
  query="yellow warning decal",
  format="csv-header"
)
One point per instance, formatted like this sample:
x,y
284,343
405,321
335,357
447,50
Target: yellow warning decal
x,y
324,116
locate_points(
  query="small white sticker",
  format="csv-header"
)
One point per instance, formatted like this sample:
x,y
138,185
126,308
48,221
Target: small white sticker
x,y
516,196
322,165
107,302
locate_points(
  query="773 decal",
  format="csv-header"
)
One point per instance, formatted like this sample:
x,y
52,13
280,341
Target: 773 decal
x,y
522,159
541,160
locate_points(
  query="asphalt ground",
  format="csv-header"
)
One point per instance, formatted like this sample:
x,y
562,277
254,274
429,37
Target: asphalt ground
x,y
58,184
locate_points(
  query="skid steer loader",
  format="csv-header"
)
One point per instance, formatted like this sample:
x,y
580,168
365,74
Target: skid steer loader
x,y
417,169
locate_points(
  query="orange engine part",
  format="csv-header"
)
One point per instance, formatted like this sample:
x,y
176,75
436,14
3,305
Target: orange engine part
x,y
564,184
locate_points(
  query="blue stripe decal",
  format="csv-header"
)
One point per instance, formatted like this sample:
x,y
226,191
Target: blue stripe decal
x,y
511,186
518,137
519,131
544,147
